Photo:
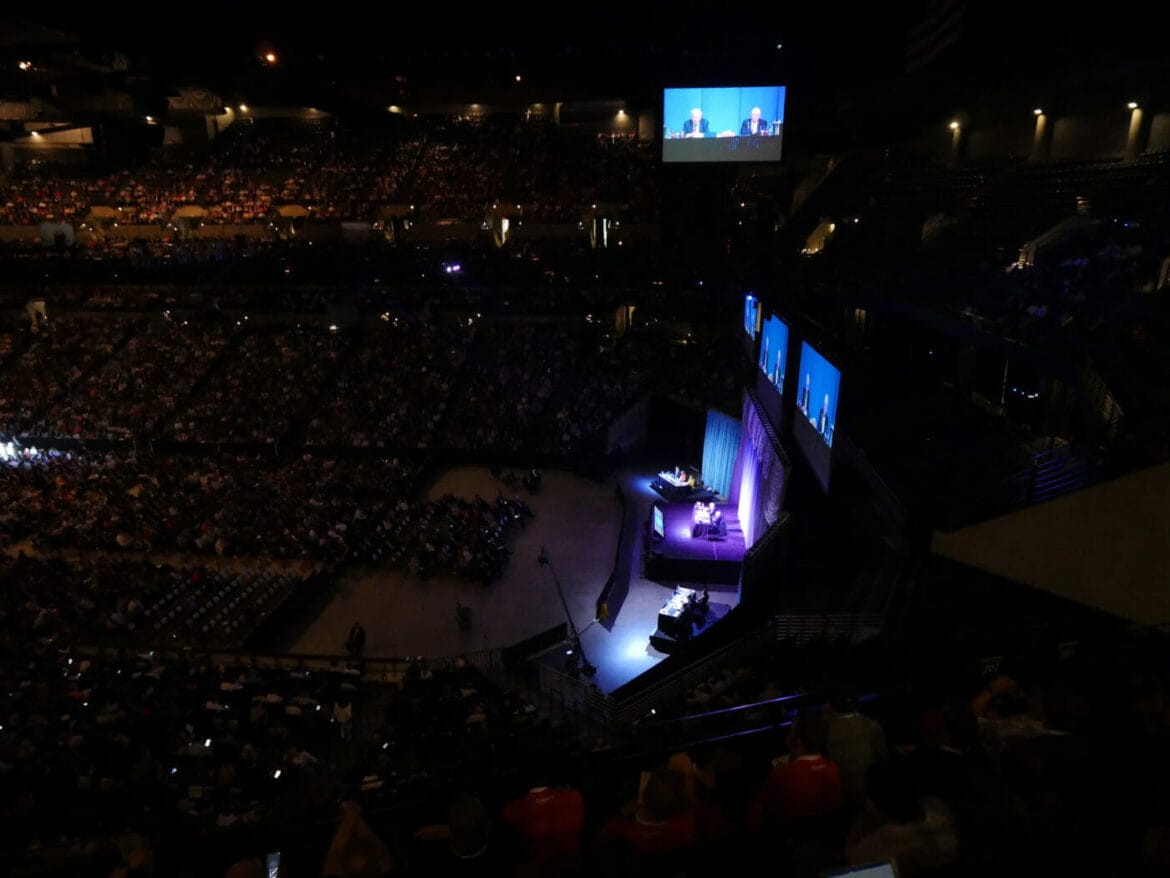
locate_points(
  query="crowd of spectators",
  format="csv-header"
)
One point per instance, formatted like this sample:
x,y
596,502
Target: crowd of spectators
x,y
466,538
142,382
251,505
947,772
254,167
446,169
466,169
403,382
395,387
262,388
53,600
176,301
40,371
506,385
136,740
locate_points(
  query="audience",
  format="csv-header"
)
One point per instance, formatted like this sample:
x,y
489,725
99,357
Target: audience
x,y
917,833
229,429
356,851
656,829
855,742
549,820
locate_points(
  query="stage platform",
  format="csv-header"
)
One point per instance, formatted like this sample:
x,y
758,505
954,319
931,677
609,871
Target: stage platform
x,y
675,493
681,557
675,630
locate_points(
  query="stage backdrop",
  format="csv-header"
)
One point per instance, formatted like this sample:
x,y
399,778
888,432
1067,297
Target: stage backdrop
x,y
757,483
720,447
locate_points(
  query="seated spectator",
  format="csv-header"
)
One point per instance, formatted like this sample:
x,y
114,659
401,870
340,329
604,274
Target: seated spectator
x,y
660,822
469,843
723,793
549,820
996,685
855,742
803,783
917,833
355,851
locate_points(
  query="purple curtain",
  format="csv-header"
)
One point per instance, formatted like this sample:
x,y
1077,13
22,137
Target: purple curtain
x,y
758,479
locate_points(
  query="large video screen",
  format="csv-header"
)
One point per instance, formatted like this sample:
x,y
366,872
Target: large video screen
x,y
726,124
774,351
817,397
819,382
751,316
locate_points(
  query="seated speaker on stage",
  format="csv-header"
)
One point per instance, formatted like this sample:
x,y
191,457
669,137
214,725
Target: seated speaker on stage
x,y
700,520
718,525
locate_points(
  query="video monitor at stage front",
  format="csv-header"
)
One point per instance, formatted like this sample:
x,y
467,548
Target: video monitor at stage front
x,y
818,384
723,124
658,524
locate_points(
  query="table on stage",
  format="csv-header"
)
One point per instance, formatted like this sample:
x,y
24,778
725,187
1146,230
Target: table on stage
x,y
672,479
670,617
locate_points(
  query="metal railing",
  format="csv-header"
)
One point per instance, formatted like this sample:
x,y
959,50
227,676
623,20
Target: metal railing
x,y
375,670
606,714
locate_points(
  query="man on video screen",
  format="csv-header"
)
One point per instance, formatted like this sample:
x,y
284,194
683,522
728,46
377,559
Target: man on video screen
x,y
696,126
755,125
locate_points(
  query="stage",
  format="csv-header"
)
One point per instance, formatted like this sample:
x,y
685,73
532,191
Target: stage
x,y
680,620
680,556
628,642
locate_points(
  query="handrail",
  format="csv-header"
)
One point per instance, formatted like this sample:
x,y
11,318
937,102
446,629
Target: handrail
x,y
379,669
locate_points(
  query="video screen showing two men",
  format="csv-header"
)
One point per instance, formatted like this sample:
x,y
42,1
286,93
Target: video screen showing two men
x,y
744,124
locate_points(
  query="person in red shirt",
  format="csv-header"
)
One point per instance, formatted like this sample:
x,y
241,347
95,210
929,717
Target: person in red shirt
x,y
800,806
805,783
662,823
549,821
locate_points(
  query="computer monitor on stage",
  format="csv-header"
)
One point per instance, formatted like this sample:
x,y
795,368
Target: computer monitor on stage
x,y
657,522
